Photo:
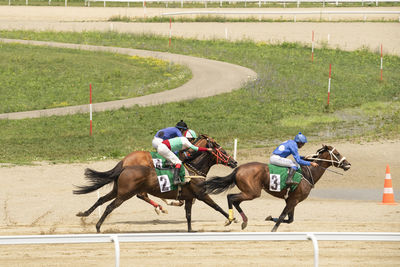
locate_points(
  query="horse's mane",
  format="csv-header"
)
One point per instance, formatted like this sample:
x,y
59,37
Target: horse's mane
x,y
198,158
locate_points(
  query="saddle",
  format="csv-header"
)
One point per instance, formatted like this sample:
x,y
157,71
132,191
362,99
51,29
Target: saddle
x,y
165,172
278,176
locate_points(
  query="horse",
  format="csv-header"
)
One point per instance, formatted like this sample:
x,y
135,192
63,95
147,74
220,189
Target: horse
x,y
139,179
197,164
251,178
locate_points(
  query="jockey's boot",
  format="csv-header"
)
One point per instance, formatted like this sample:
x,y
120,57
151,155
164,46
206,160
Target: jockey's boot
x,y
177,179
289,180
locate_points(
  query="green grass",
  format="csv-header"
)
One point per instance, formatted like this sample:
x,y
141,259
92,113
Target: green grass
x,y
222,19
289,96
177,4
31,80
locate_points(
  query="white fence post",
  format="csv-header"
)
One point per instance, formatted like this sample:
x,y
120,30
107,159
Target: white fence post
x,y
234,149
114,238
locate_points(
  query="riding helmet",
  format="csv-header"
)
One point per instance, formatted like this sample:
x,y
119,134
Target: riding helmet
x,y
300,138
181,125
190,134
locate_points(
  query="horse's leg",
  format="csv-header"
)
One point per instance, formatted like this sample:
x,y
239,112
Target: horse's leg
x,y
157,207
178,203
289,208
289,220
113,205
208,200
290,215
99,202
235,200
188,209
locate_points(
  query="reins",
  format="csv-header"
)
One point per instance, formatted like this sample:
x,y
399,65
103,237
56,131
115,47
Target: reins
x,y
339,162
221,157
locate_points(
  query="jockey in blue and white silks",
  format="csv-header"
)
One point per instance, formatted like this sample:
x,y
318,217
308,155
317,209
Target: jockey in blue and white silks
x,y
290,147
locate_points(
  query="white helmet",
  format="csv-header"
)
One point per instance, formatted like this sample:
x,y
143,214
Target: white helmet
x,y
190,134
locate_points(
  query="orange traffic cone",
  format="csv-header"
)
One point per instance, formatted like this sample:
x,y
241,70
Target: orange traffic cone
x,y
388,196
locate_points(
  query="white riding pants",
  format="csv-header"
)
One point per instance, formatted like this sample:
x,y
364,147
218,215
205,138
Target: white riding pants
x,y
284,162
164,151
156,142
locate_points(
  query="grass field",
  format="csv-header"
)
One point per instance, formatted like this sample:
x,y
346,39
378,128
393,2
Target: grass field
x,y
44,77
289,95
178,4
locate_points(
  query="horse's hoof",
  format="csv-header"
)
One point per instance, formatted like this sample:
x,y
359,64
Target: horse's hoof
x,y
164,211
235,220
244,225
269,218
228,222
81,214
157,211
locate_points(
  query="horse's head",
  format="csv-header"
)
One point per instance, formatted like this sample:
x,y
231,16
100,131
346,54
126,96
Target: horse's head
x,y
219,155
331,155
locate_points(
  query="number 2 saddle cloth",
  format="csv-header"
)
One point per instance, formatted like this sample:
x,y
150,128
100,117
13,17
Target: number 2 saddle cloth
x,y
278,176
165,173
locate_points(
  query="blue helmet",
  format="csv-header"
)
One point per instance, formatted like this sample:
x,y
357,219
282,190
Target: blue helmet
x,y
300,138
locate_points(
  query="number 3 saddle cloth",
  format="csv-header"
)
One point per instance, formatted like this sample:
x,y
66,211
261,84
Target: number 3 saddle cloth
x,y
278,176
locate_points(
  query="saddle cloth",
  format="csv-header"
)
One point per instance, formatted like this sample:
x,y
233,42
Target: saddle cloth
x,y
278,176
165,173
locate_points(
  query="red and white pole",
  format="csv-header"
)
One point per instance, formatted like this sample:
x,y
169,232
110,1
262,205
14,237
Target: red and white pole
x,y
381,63
312,47
170,33
90,109
329,83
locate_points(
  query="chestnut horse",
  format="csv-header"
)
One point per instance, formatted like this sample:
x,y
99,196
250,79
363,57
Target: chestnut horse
x,y
132,180
195,165
251,178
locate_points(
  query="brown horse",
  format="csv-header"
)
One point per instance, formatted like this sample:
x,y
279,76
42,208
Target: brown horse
x,y
251,178
195,165
133,180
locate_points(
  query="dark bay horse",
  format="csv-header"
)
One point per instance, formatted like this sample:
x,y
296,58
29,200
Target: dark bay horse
x,y
140,179
197,164
251,178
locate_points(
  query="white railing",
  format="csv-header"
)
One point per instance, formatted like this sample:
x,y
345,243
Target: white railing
x,y
200,237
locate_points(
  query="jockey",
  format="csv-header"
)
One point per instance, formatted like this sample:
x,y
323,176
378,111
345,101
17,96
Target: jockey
x,y
290,147
177,144
168,133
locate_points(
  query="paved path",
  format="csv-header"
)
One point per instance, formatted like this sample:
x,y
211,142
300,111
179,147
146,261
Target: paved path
x,y
210,78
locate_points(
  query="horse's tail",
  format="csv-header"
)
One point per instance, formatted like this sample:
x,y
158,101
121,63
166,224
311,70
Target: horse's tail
x,y
99,179
217,184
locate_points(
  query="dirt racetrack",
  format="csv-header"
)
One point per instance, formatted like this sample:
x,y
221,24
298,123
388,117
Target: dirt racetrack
x,y
38,200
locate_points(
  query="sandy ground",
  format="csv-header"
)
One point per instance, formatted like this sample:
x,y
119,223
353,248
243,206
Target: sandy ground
x,y
335,35
38,200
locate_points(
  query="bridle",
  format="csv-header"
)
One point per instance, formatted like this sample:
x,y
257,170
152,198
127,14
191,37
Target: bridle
x,y
221,157
334,159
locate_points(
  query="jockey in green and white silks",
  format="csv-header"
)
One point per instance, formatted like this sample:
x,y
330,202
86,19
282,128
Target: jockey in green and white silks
x,y
168,133
290,147
167,147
